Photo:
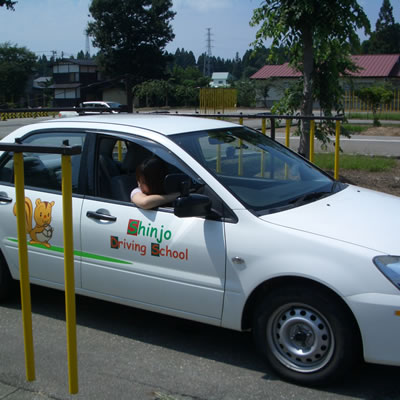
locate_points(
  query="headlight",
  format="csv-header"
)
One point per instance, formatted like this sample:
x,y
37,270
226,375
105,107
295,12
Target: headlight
x,y
390,267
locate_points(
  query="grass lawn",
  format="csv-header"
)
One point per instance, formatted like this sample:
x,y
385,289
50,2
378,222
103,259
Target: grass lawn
x,y
326,161
393,116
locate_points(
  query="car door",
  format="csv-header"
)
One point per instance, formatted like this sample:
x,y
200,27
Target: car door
x,y
43,208
151,258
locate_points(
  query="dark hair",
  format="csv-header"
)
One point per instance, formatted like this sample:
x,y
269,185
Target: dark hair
x,y
152,171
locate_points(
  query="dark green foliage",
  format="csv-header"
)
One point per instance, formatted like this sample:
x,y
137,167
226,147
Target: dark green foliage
x,y
131,36
246,92
375,96
181,89
317,37
8,3
386,38
16,66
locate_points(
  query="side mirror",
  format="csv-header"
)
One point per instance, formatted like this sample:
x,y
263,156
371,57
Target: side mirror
x,y
193,205
177,182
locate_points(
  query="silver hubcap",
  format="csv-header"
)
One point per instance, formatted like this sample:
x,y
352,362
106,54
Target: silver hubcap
x,y
300,338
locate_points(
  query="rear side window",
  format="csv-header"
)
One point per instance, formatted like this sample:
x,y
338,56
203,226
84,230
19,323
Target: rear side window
x,y
43,171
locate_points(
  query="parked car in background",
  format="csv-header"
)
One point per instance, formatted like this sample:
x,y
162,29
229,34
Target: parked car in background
x,y
99,107
95,107
259,238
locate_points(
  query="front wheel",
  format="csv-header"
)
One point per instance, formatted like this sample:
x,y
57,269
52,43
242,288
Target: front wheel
x,y
306,335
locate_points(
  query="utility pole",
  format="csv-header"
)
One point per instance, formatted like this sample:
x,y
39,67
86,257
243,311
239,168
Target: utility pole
x,y
207,58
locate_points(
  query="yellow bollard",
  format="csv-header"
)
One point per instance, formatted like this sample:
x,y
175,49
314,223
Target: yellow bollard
x,y
241,120
119,150
337,147
287,132
240,160
23,266
312,133
218,166
69,274
264,126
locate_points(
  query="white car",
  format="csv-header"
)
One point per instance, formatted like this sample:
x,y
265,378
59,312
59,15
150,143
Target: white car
x,y
94,107
98,107
259,239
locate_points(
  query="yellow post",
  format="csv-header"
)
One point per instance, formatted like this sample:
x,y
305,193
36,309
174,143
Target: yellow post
x,y
287,132
312,132
69,274
218,166
240,161
23,266
337,147
119,150
241,120
264,126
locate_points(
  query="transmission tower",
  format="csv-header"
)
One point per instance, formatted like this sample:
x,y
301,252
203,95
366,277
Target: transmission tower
x,y
87,47
207,58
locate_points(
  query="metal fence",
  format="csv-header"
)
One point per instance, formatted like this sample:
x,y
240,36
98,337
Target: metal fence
x,y
217,99
353,104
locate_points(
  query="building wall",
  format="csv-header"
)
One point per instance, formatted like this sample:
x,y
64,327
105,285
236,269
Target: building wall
x,y
279,85
114,94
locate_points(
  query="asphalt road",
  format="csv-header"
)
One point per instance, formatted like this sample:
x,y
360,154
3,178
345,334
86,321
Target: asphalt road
x,y
126,353
357,144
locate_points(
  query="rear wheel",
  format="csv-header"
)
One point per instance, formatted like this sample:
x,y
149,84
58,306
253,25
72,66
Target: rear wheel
x,y
6,281
306,335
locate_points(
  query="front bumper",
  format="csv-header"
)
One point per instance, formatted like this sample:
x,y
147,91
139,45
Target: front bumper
x,y
378,316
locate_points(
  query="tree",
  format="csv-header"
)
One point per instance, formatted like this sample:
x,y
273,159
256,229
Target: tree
x,y
246,93
16,65
375,96
386,38
8,3
316,36
131,36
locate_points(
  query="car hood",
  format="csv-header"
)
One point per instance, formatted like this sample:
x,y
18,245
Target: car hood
x,y
355,215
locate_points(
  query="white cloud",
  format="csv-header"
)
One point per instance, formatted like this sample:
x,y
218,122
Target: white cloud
x,y
201,5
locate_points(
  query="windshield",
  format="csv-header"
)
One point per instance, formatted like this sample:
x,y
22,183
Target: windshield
x,y
113,104
262,174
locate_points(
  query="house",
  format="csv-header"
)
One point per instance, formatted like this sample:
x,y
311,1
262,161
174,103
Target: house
x,y
220,79
373,69
71,82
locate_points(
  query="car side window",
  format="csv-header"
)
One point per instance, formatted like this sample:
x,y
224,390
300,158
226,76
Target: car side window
x,y
117,160
41,170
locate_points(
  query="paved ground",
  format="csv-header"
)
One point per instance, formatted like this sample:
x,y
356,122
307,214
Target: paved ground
x,y
125,353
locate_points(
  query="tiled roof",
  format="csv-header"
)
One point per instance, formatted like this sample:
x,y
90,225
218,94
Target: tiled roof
x,y
371,65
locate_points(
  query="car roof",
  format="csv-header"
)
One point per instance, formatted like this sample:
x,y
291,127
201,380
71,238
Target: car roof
x,y
165,124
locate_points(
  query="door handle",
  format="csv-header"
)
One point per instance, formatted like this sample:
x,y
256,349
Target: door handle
x,y
4,198
101,214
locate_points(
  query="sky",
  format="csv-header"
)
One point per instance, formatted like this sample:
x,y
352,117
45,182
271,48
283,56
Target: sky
x,y
44,26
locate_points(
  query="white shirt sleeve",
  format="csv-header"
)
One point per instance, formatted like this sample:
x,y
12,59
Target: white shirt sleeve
x,y
134,191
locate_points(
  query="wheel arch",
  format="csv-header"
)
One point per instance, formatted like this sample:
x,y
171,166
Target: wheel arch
x,y
285,281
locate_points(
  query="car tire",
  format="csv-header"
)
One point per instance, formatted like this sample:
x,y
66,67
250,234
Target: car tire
x,y
6,281
306,334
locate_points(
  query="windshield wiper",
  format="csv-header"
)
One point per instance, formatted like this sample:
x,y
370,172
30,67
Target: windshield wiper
x,y
308,197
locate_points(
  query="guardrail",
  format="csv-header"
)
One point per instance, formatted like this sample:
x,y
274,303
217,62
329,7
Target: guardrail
x,y
66,152
12,113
